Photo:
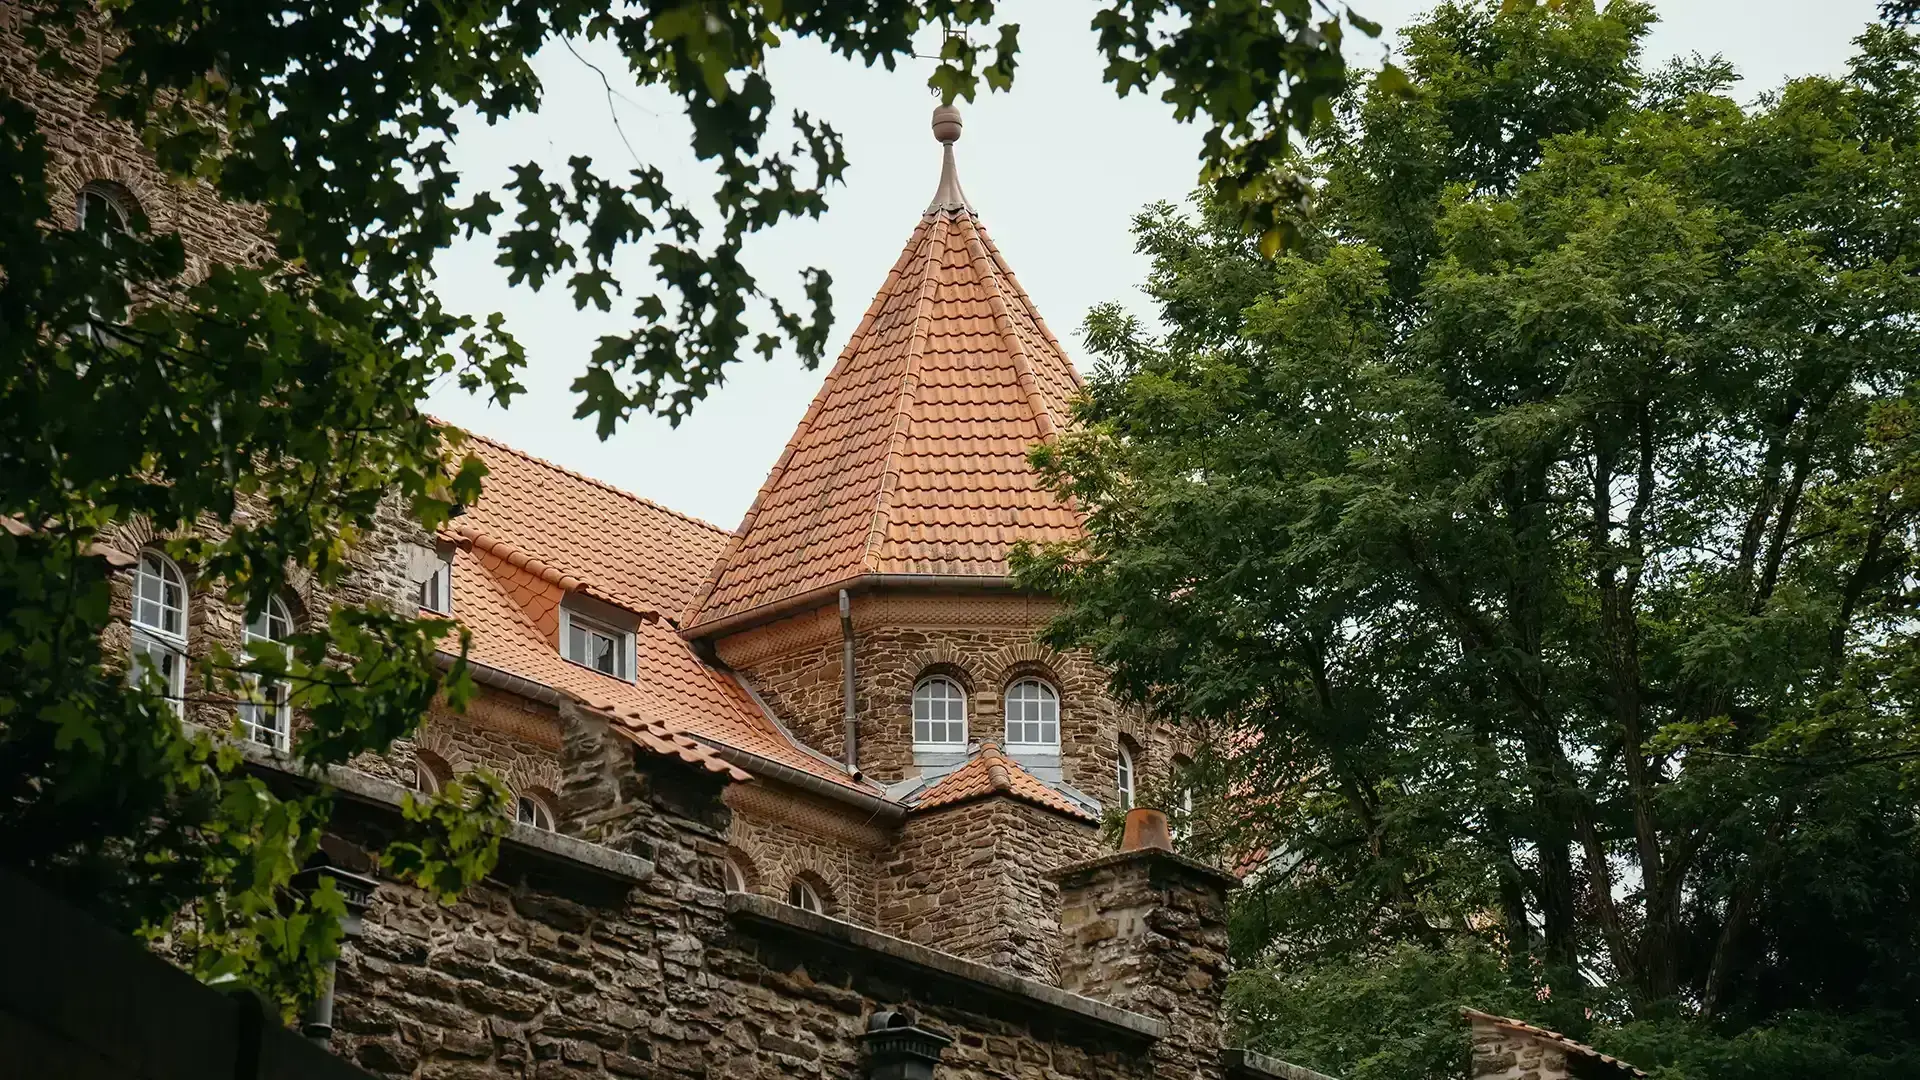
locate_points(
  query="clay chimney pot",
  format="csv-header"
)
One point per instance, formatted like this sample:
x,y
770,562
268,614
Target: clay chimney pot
x,y
1146,828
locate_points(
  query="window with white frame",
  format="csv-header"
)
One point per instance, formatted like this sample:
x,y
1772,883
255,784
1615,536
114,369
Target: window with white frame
x,y
939,715
732,876
596,645
425,780
1033,714
266,717
102,206
805,897
1123,777
533,811
436,591
160,626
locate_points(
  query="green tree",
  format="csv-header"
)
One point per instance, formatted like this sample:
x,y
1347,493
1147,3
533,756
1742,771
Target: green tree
x,y
1540,535
258,417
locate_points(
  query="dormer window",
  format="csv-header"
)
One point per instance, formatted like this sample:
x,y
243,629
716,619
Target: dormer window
x,y
596,645
436,589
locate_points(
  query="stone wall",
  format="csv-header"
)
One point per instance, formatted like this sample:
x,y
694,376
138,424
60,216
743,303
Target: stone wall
x,y
1507,1049
545,973
972,879
85,148
778,835
1146,930
984,641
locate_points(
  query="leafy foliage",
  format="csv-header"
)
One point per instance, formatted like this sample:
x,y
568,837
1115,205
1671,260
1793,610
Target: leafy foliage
x,y
1540,535
259,413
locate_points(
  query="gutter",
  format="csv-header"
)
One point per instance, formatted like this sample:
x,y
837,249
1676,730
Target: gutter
x,y
878,806
825,594
511,683
851,741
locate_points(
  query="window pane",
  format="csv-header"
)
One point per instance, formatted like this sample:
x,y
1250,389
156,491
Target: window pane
x,y
603,653
576,643
939,713
1033,714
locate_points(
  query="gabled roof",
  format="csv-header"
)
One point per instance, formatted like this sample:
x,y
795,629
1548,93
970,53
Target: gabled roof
x,y
1554,1037
990,772
629,551
912,458
540,532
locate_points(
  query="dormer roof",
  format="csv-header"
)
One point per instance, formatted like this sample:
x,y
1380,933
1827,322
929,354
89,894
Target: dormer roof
x,y
912,458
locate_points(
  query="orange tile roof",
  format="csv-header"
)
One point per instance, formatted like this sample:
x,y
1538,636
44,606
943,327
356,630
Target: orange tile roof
x,y
991,772
1551,1036
628,551
540,531
912,458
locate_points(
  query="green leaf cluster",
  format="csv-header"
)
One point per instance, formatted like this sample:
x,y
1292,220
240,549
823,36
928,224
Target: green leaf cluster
x,y
1538,538
258,410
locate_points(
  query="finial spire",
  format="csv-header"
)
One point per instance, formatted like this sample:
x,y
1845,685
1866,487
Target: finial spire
x,y
946,128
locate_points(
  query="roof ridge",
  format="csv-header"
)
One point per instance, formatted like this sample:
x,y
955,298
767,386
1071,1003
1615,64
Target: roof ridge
x,y
529,563
904,400
847,353
1026,302
602,484
1009,333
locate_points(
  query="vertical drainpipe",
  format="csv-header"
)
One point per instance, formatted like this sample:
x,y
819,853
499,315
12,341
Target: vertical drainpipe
x,y
846,682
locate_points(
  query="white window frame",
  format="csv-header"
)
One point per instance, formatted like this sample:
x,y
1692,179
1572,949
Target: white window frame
x,y
156,638
425,780
1048,699
731,876
1124,777
436,592
622,643
804,896
121,223
273,728
926,724
533,812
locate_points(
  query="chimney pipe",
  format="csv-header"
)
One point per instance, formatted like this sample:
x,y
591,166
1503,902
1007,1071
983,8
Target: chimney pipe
x,y
1146,828
852,740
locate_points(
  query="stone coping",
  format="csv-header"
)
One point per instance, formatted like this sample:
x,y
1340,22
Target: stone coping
x,y
540,843
1246,1063
1219,877
766,911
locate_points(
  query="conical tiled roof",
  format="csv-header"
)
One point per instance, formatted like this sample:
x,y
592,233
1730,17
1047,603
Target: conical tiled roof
x,y
912,458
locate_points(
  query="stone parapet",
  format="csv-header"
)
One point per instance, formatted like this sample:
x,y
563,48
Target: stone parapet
x,y
1146,930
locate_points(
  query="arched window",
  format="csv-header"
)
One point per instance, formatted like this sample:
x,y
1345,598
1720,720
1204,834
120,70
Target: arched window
x,y
100,206
732,876
266,717
805,897
160,625
1033,714
532,810
939,714
1123,777
429,772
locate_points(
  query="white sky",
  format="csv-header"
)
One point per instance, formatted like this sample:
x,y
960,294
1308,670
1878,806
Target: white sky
x,y
1056,169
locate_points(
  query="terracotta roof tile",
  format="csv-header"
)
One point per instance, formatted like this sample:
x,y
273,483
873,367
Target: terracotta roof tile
x,y
912,457
539,532
991,772
1551,1036
633,553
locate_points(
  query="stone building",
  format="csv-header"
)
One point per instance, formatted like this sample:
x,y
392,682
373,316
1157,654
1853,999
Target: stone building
x,y
806,798
1509,1049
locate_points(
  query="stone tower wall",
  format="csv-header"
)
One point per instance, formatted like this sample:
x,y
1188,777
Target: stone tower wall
x,y
971,880
985,641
